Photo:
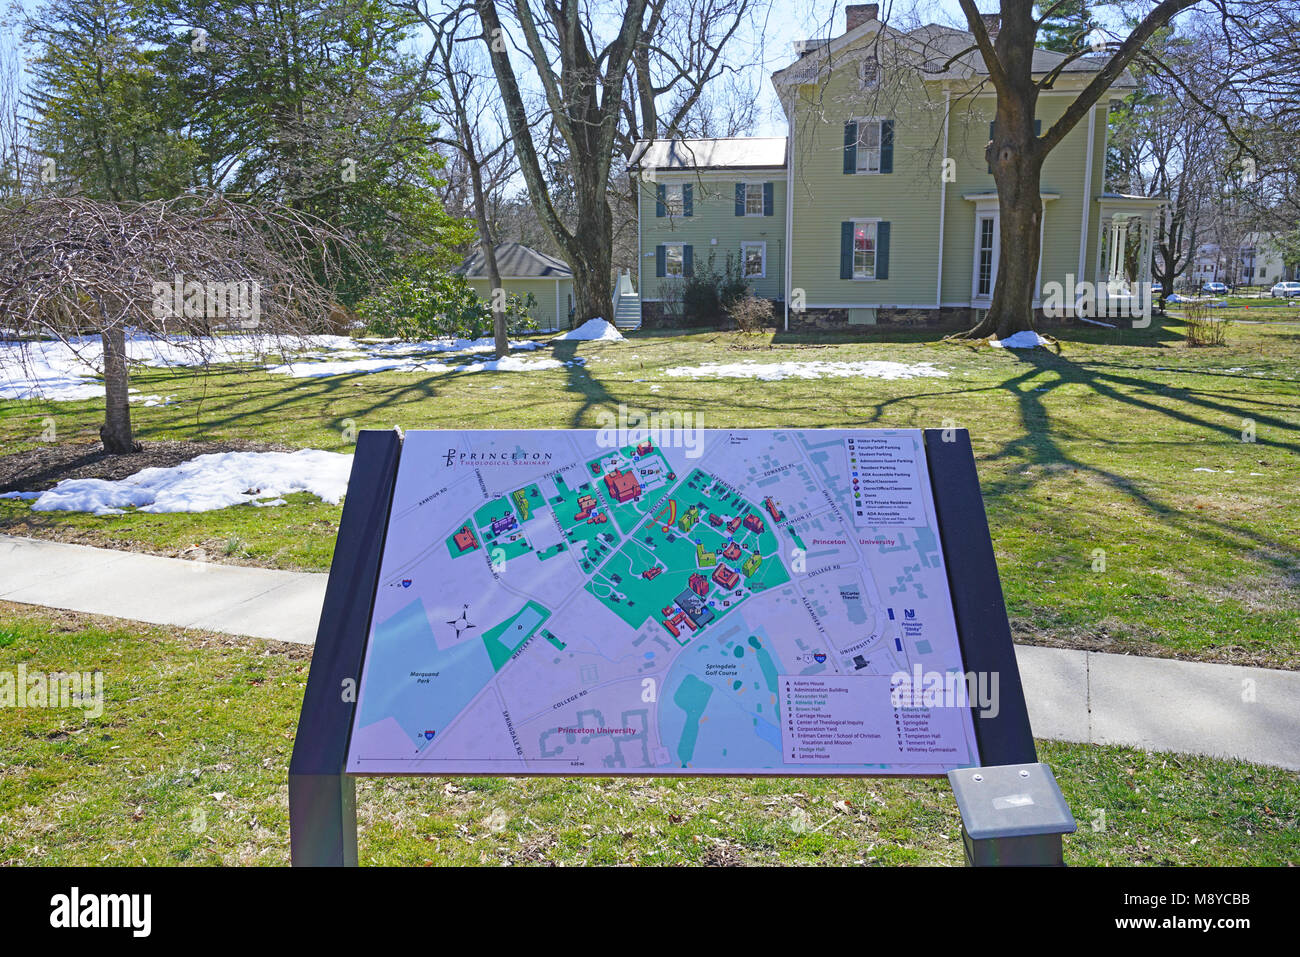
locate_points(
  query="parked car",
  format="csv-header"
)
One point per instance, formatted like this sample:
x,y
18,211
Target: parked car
x,y
1285,290
1214,289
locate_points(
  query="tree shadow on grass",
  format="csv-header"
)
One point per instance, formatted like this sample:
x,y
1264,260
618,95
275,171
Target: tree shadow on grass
x,y
578,380
1039,446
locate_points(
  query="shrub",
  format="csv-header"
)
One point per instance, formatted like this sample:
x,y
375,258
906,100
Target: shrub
x,y
751,313
709,295
1204,329
440,305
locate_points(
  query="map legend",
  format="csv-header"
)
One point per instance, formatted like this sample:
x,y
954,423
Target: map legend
x,y
851,719
885,485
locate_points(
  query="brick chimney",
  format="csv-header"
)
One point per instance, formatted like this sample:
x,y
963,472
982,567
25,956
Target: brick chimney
x,y
856,14
992,23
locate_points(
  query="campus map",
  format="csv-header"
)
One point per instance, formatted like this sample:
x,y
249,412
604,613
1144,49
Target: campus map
x,y
590,602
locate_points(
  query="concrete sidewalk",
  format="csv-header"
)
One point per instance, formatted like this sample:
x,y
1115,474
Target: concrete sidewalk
x,y
1158,704
235,599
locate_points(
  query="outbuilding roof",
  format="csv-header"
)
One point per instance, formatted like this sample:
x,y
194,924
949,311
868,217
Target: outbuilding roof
x,y
515,261
741,152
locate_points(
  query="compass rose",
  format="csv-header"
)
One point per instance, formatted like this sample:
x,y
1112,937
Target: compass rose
x,y
462,624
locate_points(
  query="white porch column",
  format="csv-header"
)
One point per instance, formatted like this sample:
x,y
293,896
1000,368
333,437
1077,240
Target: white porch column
x,y
1118,245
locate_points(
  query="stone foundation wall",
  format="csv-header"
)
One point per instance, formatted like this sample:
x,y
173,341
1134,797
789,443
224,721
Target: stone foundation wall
x,y
888,317
668,315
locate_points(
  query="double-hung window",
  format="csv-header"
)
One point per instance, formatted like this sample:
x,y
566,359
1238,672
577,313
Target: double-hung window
x,y
674,201
864,250
753,257
984,257
753,199
868,146
674,259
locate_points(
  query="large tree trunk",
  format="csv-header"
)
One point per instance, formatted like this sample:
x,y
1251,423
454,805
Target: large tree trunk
x,y
1016,157
116,430
592,293
1020,215
1015,153
591,258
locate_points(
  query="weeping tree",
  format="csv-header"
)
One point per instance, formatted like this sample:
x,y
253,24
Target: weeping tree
x,y
96,275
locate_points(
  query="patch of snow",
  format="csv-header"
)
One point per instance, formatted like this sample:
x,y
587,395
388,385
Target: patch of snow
x,y
26,495
206,483
1204,469
591,331
1021,340
508,364
67,371
773,371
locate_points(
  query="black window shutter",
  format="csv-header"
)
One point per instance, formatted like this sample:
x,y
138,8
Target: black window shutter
x,y
688,261
1038,127
886,146
850,147
882,250
661,268
846,250
688,199
660,200
740,199
767,199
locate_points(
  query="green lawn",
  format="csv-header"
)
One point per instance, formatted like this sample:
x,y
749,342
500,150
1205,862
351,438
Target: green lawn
x,y
188,764
1088,455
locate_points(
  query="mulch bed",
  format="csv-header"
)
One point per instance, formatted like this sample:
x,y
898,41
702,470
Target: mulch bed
x,y
44,466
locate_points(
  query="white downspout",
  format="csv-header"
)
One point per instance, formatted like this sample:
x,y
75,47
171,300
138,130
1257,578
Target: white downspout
x,y
640,293
1087,202
943,199
789,208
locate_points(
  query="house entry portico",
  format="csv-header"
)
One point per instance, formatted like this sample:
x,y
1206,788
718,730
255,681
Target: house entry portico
x,y
1123,263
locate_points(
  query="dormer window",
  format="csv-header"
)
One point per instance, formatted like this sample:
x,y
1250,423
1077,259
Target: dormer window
x,y
869,73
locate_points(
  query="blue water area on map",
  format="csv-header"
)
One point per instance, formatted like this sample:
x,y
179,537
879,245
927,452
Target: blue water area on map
x,y
403,644
723,719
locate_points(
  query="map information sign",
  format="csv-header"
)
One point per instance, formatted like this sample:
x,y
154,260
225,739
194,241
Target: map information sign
x,y
747,602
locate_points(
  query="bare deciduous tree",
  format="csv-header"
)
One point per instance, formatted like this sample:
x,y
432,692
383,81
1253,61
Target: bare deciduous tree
x,y
182,268
583,86
469,113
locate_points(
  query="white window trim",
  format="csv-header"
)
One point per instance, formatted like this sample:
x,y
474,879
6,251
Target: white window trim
x,y
760,184
858,149
982,216
762,245
875,221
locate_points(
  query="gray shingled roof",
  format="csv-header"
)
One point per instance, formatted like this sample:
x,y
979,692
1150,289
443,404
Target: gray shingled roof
x,y
742,152
933,45
515,261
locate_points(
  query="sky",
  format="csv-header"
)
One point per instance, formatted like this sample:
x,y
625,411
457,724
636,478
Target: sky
x,y
791,20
